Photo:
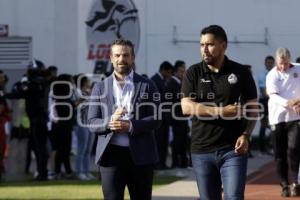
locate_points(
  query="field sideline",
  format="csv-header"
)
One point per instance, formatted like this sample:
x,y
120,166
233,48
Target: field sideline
x,y
62,189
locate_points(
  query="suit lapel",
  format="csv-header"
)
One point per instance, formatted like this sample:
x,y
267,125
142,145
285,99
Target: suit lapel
x,y
137,86
110,95
110,98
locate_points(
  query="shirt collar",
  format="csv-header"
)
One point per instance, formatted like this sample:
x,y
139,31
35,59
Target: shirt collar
x,y
160,75
129,77
176,79
290,67
223,67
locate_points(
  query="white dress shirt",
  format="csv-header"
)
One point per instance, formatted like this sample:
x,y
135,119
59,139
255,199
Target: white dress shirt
x,y
281,87
123,98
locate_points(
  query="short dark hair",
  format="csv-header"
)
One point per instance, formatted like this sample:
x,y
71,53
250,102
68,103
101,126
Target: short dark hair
x,y
5,76
178,64
34,63
269,58
165,66
52,68
298,60
83,80
216,30
123,42
61,89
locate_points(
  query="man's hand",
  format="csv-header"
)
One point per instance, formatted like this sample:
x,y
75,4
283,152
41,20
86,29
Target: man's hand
x,y
118,114
119,126
242,145
231,110
293,102
296,108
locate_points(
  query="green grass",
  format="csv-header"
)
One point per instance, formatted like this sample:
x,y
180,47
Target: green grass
x,y
62,189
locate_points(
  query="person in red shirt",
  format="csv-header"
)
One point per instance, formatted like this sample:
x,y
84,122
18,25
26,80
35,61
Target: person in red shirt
x,y
4,118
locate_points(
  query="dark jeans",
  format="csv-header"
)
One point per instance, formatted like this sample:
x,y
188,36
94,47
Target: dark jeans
x,y
217,168
118,170
286,142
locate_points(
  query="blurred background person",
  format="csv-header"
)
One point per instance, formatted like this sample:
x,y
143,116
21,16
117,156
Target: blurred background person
x,y
62,126
4,119
264,144
162,133
180,127
53,70
35,91
283,88
84,137
52,76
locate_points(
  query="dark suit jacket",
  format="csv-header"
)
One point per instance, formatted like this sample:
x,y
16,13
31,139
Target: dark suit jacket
x,y
144,118
161,86
159,82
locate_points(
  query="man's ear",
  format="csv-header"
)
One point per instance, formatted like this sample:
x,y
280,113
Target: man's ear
x,y
224,45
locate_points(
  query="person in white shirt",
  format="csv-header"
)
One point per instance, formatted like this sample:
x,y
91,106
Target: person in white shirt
x,y
297,63
283,88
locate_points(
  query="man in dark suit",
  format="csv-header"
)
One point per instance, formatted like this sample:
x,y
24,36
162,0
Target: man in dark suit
x,y
123,112
178,122
162,133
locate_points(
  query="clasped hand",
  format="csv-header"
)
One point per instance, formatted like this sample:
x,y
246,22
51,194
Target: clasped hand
x,y
117,124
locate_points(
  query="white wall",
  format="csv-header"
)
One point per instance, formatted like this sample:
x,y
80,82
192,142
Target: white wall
x,y
66,35
59,32
52,24
245,20
31,18
59,38
84,65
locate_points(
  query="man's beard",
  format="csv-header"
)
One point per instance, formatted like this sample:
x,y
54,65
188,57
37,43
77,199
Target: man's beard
x,y
209,61
124,70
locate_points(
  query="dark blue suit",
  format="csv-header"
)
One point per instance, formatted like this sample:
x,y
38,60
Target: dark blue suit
x,y
120,166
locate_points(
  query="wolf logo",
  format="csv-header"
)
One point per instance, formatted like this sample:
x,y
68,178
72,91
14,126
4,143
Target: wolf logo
x,y
112,17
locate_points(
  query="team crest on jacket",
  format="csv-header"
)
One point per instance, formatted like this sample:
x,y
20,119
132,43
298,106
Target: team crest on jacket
x,y
232,79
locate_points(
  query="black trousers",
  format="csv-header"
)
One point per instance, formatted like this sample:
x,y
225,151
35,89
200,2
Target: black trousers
x,y
162,141
30,147
118,170
180,145
39,132
263,143
62,133
286,143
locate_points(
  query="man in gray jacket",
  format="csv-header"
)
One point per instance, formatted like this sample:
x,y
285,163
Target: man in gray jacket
x,y
123,113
